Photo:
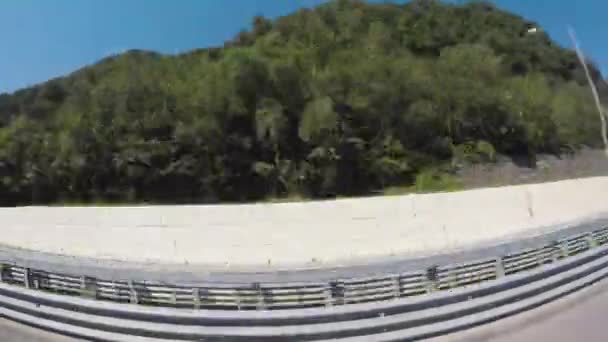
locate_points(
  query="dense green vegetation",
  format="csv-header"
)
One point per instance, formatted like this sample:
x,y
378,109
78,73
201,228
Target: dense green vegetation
x,y
345,99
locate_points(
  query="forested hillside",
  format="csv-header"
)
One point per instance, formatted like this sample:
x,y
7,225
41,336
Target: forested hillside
x,y
344,99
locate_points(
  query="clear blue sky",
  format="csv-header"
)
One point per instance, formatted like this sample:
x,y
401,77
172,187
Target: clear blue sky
x,y
41,39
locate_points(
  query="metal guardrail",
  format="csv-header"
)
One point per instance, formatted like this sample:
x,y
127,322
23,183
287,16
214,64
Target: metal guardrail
x,y
390,307
281,296
402,319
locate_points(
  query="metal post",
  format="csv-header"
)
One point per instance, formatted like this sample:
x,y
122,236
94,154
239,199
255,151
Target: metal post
x,y
261,305
27,281
237,299
591,242
499,267
173,298
431,279
338,292
563,246
88,287
328,297
556,251
205,297
133,298
196,296
397,286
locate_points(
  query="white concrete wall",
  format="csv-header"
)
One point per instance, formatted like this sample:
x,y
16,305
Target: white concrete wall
x,y
290,234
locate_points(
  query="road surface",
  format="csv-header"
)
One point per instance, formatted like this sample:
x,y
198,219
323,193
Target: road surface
x,y
578,317
14,332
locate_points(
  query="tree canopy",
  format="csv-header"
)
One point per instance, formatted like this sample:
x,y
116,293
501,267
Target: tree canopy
x,y
347,98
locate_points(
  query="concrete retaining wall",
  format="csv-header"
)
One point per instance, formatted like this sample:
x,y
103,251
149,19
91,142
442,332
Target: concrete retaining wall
x,y
307,233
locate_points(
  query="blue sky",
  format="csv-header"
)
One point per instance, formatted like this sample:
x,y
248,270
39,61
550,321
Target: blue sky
x,y
41,39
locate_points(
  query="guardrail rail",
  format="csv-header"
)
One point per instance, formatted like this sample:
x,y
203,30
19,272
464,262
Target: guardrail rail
x,y
400,306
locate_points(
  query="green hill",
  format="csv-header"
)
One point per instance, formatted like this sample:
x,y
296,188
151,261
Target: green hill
x,y
344,99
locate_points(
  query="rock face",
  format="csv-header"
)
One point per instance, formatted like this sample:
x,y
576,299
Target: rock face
x,y
305,233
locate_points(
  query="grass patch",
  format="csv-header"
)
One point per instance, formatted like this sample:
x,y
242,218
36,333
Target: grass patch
x,y
428,181
398,190
433,180
286,199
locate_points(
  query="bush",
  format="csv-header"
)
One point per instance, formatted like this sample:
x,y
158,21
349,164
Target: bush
x,y
433,180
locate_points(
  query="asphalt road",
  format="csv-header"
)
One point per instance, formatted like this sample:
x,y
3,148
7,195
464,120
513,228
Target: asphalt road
x,y
14,332
582,316
578,317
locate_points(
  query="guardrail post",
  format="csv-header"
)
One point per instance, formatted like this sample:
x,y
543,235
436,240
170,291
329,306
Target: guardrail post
x,y
173,297
563,247
237,299
591,242
329,301
27,278
338,292
260,305
453,277
204,296
133,298
499,266
397,285
88,287
555,251
196,296
431,279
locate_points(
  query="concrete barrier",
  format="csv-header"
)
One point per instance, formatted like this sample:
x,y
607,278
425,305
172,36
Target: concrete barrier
x,y
307,234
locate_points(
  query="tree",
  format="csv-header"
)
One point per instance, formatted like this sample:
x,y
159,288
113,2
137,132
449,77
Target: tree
x,y
346,98
270,128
